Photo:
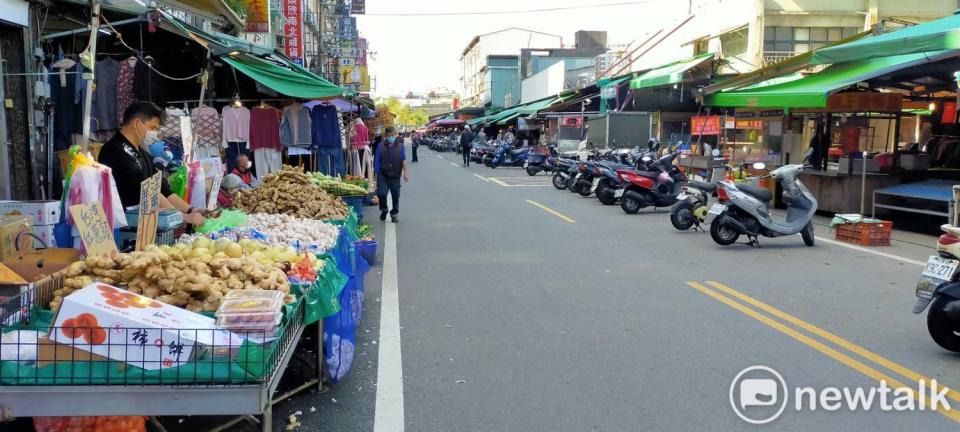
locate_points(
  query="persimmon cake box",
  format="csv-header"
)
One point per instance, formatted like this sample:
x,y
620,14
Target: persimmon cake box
x,y
142,332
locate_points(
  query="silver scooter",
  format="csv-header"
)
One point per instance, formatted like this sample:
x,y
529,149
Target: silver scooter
x,y
745,209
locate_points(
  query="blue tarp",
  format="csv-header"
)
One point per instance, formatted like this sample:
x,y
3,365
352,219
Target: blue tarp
x,y
340,330
935,190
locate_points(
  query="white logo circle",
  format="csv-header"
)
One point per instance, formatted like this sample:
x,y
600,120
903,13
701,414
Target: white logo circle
x,y
760,392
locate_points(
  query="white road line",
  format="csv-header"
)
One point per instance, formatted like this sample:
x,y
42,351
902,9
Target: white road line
x,y
481,177
451,163
388,415
497,181
871,251
439,157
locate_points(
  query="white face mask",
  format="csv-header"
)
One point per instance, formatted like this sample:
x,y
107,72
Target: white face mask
x,y
249,164
150,137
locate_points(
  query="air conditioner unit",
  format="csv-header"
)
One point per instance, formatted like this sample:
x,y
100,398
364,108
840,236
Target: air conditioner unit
x,y
585,79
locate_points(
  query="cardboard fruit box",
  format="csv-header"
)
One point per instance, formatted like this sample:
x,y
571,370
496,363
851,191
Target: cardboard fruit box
x,y
40,212
32,275
111,322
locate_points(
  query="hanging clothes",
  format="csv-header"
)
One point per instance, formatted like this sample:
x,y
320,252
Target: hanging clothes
x,y
359,134
265,140
104,108
295,126
325,126
67,112
206,132
125,86
170,129
236,125
147,84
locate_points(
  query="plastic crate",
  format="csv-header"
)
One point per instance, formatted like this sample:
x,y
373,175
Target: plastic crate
x,y
865,234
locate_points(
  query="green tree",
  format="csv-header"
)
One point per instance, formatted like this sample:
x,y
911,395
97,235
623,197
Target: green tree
x,y
405,115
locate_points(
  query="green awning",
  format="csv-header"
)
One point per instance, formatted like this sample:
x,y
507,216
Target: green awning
x,y
507,119
812,91
668,74
291,80
533,107
937,35
610,82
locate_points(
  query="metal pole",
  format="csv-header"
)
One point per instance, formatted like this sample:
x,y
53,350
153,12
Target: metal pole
x,y
203,80
92,56
4,144
863,184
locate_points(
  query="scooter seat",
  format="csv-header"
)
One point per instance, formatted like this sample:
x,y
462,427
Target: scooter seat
x,y
757,192
706,187
516,152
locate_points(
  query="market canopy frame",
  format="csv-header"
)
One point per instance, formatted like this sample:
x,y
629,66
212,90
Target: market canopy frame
x,y
669,74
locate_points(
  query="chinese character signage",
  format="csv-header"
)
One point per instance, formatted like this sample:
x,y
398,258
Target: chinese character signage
x,y
258,16
358,7
348,28
364,79
350,75
95,232
292,29
361,51
705,125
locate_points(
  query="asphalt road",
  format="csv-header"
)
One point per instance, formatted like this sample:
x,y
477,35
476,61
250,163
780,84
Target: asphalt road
x,y
522,307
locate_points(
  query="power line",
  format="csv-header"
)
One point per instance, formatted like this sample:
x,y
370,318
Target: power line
x,y
525,11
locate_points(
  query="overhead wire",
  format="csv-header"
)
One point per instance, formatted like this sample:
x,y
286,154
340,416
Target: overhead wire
x,y
507,12
138,54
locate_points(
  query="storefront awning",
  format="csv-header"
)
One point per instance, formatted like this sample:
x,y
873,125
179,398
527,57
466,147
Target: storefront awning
x,y
937,35
668,74
291,80
812,91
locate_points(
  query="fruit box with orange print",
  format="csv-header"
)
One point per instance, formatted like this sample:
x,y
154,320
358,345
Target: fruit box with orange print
x,y
142,332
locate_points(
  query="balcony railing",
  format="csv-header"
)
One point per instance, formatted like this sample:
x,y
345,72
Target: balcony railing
x,y
771,57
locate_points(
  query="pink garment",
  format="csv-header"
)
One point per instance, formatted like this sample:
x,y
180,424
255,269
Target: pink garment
x,y
236,124
360,136
96,184
264,129
125,96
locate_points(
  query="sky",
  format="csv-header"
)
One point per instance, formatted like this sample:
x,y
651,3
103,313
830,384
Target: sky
x,y
416,53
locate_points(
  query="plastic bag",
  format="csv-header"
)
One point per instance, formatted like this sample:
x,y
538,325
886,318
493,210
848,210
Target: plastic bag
x,y
198,186
178,181
228,219
90,424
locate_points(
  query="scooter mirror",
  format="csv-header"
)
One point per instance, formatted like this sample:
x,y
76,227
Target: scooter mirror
x,y
759,165
715,153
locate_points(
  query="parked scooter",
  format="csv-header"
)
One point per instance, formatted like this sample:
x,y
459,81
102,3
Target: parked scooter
x,y
745,209
564,170
939,288
651,188
537,162
506,155
690,211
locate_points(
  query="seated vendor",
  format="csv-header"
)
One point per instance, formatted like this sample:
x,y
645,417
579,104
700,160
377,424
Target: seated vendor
x,y
243,171
128,156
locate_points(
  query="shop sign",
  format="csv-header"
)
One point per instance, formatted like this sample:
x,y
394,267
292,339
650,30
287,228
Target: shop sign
x,y
358,7
705,125
258,16
361,51
348,28
746,114
148,210
749,124
865,102
350,75
214,191
609,92
364,79
95,232
571,121
292,29
346,62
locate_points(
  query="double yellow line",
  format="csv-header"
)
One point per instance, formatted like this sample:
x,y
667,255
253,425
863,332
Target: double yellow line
x,y
718,290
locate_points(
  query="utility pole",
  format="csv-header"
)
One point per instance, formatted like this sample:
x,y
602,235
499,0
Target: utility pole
x,y
320,23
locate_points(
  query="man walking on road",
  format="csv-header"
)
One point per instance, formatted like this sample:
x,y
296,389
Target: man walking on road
x,y
390,164
466,142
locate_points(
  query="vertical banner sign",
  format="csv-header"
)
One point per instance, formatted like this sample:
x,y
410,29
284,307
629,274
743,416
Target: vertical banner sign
x,y
348,28
293,29
94,230
214,191
258,16
186,137
358,7
149,207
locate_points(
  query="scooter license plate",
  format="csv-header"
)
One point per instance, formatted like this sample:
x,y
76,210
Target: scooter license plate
x,y
717,209
940,268
578,175
526,164
682,196
596,182
618,193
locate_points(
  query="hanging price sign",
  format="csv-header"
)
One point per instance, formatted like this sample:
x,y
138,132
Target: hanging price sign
x,y
95,232
149,208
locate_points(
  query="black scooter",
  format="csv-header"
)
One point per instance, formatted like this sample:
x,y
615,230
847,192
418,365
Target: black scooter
x,y
537,162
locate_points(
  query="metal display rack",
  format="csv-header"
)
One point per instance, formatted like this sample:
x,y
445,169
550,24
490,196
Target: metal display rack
x,y
111,399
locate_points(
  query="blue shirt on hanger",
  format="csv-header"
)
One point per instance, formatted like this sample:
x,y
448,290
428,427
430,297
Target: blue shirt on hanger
x,y
325,127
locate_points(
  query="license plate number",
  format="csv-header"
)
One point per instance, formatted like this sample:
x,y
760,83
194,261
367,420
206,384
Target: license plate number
x,y
578,175
940,268
596,182
717,209
618,193
682,196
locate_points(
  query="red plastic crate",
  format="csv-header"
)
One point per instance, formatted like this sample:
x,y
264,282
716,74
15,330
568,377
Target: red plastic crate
x,y
865,234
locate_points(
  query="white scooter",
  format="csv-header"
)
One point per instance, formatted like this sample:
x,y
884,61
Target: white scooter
x,y
745,210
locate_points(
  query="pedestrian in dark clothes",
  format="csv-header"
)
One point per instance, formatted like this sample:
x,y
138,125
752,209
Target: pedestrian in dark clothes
x,y
390,164
466,142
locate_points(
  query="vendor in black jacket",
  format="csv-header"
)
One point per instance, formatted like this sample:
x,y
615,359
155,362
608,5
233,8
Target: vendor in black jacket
x,y
128,156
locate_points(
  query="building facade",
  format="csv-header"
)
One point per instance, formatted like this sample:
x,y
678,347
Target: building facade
x,y
501,81
473,60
